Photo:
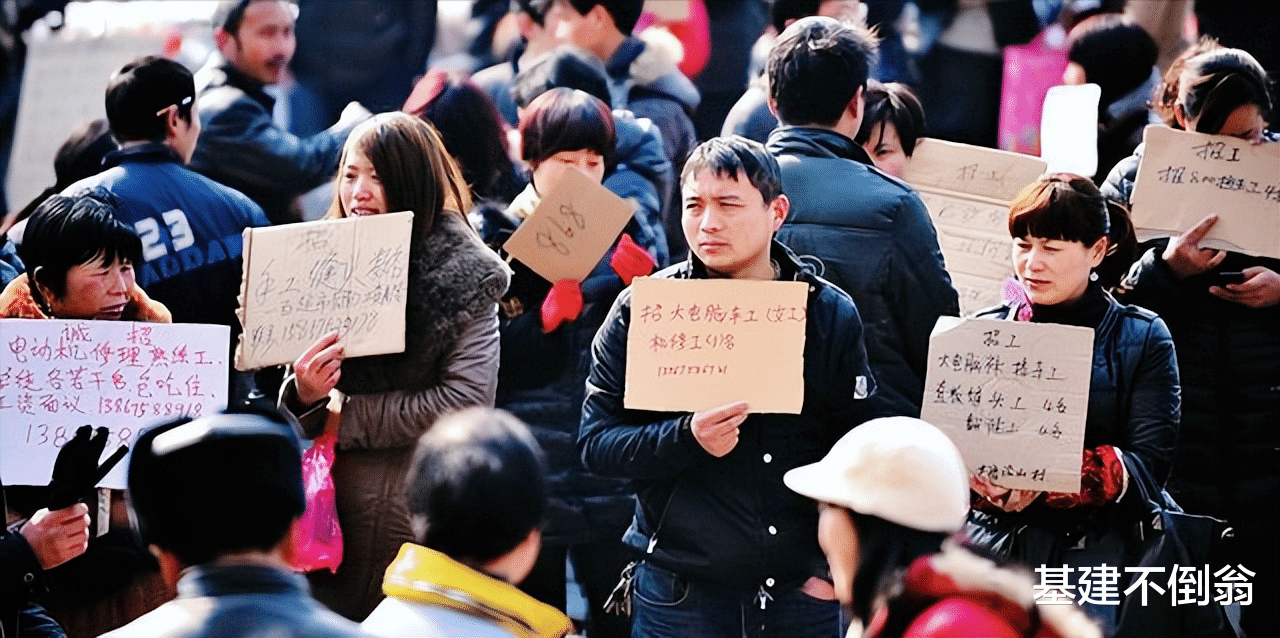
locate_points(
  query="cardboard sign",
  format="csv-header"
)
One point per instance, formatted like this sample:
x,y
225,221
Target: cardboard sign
x,y
571,229
1185,176
302,281
668,10
1013,397
57,375
967,190
1069,129
698,344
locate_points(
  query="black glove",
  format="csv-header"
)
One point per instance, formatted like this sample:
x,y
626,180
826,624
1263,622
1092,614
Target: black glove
x,y
76,469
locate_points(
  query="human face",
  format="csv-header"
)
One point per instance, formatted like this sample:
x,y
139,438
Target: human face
x,y
1055,271
360,189
547,174
95,290
729,226
838,538
186,133
885,149
265,43
579,29
1245,123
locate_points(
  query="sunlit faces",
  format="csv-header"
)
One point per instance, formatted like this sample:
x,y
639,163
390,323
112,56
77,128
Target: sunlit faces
x,y
885,148
359,188
839,541
1055,271
728,224
95,290
547,174
265,42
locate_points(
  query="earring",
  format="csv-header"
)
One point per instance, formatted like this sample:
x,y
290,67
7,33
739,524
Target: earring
x,y
1093,275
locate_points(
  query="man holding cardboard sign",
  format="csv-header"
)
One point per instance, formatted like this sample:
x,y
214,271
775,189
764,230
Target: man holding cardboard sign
x,y
726,546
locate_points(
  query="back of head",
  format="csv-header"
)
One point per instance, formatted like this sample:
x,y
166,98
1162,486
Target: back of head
x,y
139,94
1214,84
729,156
415,169
783,11
1116,53
625,13
565,119
473,132
81,155
66,231
567,66
895,103
476,486
816,68
219,484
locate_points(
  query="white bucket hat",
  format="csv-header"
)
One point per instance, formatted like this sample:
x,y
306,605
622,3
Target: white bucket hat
x,y
897,468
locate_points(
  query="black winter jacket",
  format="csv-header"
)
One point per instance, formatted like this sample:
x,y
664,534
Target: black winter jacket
x,y
729,520
871,236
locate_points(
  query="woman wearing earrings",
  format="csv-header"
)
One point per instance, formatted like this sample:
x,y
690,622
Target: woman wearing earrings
x,y
1060,226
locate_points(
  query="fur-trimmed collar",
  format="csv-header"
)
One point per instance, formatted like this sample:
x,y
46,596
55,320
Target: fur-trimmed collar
x,y
453,279
958,573
17,302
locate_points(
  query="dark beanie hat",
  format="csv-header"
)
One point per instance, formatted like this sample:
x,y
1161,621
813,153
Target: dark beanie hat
x,y
216,484
1116,54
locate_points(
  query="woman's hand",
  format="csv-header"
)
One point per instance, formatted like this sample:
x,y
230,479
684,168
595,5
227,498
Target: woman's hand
x,y
1185,257
1260,288
318,369
1006,499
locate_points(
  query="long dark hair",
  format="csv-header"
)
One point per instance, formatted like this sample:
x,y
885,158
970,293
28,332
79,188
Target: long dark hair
x,y
885,550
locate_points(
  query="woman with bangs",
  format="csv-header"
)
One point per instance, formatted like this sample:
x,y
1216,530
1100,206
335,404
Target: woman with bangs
x,y
1063,231
396,162
80,265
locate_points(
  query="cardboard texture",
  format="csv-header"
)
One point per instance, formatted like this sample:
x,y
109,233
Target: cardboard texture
x,y
967,190
57,375
571,229
302,281
668,10
703,343
1185,176
1013,397
1069,129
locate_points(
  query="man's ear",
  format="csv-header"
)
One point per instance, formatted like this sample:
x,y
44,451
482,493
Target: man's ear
x,y
773,106
221,38
858,103
778,209
171,119
170,567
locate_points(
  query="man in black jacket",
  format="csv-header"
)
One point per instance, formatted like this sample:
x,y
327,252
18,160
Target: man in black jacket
x,y
726,546
870,234
46,540
240,145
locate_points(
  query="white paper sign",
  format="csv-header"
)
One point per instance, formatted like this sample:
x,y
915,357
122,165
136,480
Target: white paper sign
x,y
1013,397
57,375
1069,129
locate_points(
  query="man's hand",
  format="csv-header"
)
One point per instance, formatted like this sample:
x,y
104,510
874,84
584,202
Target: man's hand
x,y
58,536
716,430
318,369
1260,288
1185,257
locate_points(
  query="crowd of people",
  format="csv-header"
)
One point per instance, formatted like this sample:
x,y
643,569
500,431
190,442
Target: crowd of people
x,y
494,468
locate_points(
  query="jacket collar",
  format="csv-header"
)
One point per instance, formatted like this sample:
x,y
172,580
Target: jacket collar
x,y
227,580
427,577
814,141
149,152
223,73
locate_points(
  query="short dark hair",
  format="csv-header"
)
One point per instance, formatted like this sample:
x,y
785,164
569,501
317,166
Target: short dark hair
x,y
784,11
895,103
816,68
230,13
1116,53
731,155
625,13
228,482
566,66
66,231
140,92
476,485
566,120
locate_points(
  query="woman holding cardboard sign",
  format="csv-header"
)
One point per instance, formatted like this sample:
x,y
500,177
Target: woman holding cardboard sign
x,y
396,162
1062,231
1223,309
547,328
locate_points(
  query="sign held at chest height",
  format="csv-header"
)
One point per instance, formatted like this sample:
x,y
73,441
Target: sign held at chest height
x,y
303,281
698,344
1013,397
